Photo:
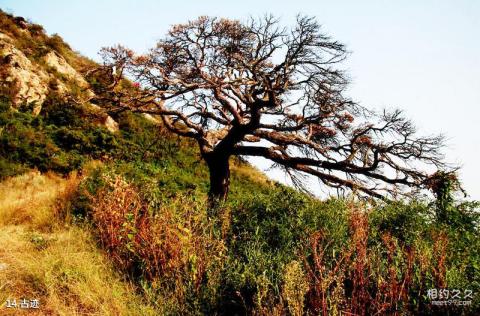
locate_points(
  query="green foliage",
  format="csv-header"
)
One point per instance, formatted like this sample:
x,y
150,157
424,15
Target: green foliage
x,y
265,231
59,139
404,221
268,230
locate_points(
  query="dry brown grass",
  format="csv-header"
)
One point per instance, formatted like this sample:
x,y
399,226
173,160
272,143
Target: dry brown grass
x,y
43,257
174,249
363,279
28,200
40,202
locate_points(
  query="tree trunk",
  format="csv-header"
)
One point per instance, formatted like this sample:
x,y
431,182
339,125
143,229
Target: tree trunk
x,y
219,169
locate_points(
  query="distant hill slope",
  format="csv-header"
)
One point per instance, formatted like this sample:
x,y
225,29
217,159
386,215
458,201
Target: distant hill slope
x,y
34,65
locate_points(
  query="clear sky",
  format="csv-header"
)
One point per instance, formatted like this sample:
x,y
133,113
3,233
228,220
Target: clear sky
x,y
419,56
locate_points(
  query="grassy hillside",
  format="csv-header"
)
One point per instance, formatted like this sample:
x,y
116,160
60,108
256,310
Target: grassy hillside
x,y
43,256
118,224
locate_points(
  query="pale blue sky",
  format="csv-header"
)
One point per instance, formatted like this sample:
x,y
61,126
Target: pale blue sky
x,y
420,56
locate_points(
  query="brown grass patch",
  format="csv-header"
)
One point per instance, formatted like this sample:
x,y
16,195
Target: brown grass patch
x,y
43,257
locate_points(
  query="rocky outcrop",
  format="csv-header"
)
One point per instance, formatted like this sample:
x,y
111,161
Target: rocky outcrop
x,y
110,124
57,62
29,81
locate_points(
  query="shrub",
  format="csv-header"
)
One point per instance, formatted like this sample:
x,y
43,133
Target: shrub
x,y
57,43
355,258
62,138
171,248
295,288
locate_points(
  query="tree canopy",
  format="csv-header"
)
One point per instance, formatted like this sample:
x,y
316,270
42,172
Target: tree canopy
x,y
256,88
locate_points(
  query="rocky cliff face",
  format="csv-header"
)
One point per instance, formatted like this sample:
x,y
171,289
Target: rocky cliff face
x,y
31,67
25,82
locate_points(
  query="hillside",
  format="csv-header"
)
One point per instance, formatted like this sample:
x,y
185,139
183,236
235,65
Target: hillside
x,y
45,258
105,213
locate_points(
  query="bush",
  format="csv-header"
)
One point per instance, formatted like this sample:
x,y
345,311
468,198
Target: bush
x,y
169,250
59,139
343,256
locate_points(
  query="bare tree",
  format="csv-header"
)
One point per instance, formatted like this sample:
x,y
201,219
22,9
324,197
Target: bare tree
x,y
258,89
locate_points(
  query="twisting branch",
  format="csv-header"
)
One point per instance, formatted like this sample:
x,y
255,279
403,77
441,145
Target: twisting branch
x,y
229,85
